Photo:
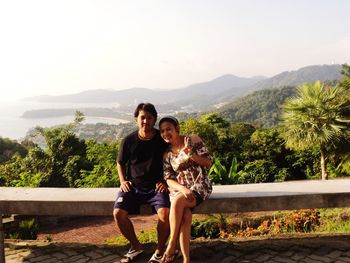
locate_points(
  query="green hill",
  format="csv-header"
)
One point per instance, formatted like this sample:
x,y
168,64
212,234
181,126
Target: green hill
x,y
260,108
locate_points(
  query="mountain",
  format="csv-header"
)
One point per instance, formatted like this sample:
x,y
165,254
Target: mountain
x,y
261,107
134,95
300,76
204,96
98,96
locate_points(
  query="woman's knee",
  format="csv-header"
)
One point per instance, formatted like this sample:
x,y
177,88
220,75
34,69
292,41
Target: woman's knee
x,y
187,216
181,201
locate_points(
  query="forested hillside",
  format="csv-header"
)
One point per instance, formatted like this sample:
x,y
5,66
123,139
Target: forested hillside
x,y
261,108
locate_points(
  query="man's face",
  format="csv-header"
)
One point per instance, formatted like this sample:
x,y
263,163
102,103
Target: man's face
x,y
145,121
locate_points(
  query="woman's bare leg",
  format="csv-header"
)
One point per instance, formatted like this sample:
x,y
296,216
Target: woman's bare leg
x,y
177,208
185,235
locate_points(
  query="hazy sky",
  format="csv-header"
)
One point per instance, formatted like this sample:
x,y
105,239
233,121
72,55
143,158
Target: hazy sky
x,y
66,46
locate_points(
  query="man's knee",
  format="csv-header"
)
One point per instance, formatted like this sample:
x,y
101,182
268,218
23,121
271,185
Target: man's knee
x,y
120,214
163,214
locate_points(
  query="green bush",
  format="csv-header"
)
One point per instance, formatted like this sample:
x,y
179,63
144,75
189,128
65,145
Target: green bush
x,y
206,229
28,229
258,171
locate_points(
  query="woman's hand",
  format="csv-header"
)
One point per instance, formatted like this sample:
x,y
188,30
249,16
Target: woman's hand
x,y
188,194
187,147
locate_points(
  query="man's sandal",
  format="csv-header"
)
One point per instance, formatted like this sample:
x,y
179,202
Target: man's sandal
x,y
156,258
131,255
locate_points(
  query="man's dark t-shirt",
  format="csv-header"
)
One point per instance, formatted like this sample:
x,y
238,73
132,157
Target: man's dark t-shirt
x,y
143,160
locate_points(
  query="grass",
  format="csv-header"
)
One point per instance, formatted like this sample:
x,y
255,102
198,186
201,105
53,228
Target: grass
x,y
145,236
335,220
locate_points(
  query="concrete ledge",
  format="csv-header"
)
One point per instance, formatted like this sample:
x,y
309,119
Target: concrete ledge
x,y
225,199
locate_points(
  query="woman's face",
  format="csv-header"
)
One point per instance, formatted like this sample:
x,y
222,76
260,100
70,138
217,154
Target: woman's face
x,y
168,131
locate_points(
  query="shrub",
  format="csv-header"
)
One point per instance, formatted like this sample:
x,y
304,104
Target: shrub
x,y
206,228
298,221
28,229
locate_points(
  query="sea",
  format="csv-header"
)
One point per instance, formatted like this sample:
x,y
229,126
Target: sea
x,y
14,127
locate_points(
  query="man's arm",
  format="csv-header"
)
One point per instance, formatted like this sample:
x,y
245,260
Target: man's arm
x,y
125,185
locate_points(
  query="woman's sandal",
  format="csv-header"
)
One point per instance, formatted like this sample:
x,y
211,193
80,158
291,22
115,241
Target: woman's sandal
x,y
170,258
131,255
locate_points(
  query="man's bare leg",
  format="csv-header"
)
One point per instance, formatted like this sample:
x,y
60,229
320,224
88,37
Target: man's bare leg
x,y
163,229
126,227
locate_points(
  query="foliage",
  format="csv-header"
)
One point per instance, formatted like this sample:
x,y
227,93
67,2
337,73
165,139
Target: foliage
x,y
9,148
258,171
104,173
14,235
334,220
144,236
260,108
28,229
204,130
208,228
219,175
315,118
65,162
297,221
66,154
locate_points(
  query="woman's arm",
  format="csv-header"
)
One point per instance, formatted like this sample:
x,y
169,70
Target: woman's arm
x,y
180,188
199,159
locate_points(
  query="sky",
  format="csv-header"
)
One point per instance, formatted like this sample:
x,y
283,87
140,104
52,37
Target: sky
x,y
51,47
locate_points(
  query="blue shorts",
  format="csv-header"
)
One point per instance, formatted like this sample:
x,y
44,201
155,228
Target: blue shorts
x,y
131,201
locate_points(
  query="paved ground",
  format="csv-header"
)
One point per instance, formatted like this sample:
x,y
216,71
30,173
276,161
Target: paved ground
x,y
302,249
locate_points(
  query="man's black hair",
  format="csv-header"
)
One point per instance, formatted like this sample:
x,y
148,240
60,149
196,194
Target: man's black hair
x,y
149,107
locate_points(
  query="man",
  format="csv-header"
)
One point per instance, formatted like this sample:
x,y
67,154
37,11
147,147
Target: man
x,y
140,170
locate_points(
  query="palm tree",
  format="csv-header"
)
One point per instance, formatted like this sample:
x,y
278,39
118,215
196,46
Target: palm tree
x,y
315,117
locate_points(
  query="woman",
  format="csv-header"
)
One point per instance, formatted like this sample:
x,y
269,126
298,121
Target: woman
x,y
186,164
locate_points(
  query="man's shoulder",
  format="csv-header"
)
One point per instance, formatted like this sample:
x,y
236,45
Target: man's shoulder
x,y
131,136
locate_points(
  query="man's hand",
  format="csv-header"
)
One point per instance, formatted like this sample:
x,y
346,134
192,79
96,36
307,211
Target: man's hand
x,y
161,187
125,186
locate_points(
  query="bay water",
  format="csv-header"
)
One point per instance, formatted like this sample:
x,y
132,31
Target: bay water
x,y
13,126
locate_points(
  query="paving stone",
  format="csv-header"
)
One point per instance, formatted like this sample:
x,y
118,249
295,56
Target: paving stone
x,y
75,258
334,254
263,258
110,258
40,258
59,255
345,259
283,259
297,257
284,251
310,260
320,259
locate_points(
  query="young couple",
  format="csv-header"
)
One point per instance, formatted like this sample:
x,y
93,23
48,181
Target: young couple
x,y
152,163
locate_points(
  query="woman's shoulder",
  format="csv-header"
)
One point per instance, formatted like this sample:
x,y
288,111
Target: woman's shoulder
x,y
167,152
195,138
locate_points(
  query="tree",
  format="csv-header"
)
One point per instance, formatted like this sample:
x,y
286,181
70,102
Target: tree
x,y
104,173
258,171
9,147
315,117
207,132
66,154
